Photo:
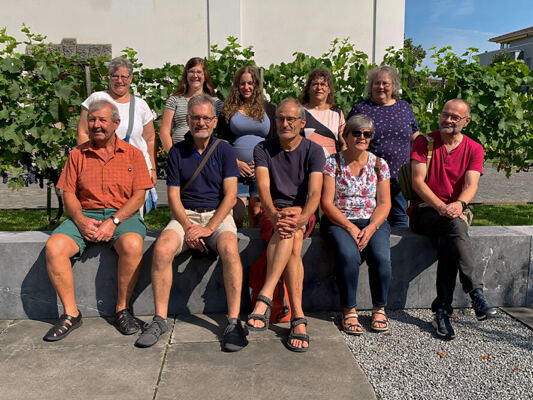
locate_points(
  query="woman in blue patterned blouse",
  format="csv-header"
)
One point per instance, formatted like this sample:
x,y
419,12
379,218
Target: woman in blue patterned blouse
x,y
395,130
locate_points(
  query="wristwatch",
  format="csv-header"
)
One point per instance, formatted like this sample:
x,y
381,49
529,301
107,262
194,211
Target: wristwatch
x,y
115,220
463,204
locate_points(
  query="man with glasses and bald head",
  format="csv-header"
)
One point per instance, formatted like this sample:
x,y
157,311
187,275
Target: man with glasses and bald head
x,y
446,189
201,199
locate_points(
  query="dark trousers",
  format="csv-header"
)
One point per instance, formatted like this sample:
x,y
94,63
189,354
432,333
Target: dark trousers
x,y
454,254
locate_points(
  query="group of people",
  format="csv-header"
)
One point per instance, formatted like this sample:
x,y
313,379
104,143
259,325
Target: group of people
x,y
283,162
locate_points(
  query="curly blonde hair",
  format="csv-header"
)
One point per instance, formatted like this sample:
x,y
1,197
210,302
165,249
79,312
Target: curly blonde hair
x,y
255,106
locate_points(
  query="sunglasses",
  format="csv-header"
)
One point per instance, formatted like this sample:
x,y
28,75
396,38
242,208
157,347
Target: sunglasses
x,y
356,134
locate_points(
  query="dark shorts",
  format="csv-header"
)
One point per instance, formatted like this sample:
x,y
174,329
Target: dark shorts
x,y
134,224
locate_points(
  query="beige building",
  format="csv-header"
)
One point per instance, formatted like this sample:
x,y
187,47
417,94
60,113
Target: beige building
x,y
518,44
175,30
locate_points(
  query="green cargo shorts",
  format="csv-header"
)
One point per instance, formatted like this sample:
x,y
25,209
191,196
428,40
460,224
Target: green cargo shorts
x,y
133,224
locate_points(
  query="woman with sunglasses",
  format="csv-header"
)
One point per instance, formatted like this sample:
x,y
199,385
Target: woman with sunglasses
x,y
246,120
194,80
356,201
396,129
142,134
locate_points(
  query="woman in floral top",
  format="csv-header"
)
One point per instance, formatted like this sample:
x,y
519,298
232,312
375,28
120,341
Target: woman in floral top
x,y
356,202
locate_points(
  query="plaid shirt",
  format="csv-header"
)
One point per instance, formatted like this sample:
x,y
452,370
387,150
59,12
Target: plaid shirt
x,y
104,184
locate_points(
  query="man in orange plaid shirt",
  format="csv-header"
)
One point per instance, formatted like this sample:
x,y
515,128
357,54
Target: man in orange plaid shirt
x,y
104,183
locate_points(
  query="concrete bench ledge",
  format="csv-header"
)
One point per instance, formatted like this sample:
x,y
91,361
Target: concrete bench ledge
x,y
504,253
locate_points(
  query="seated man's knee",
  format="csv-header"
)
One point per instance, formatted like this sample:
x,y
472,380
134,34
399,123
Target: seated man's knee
x,y
129,245
167,246
59,245
227,244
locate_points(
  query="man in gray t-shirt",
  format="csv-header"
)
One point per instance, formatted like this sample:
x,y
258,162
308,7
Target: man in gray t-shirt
x,y
288,171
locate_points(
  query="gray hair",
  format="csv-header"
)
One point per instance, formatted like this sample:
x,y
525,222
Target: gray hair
x,y
200,99
301,109
358,122
99,104
393,75
119,62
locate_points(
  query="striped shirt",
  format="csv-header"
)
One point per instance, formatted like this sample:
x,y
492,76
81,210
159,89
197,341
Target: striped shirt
x,y
178,104
104,184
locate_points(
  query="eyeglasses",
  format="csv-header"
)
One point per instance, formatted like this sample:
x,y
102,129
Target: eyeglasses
x,y
454,118
197,118
319,84
123,77
385,84
290,120
356,134
195,71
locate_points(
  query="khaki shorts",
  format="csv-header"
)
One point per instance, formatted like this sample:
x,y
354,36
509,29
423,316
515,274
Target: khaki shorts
x,y
202,219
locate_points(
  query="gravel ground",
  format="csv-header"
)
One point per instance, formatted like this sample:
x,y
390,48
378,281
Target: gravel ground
x,y
487,360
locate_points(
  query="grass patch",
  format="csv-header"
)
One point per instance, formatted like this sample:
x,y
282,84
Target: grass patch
x,y
484,215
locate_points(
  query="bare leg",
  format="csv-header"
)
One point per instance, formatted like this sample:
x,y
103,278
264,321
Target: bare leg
x,y
59,249
166,247
294,279
130,251
228,249
278,254
254,209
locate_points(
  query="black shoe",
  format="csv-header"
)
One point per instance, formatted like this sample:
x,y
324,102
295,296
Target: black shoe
x,y
443,325
481,306
126,323
234,337
152,332
63,328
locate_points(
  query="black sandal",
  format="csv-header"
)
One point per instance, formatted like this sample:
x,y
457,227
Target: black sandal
x,y
264,318
126,323
62,328
298,336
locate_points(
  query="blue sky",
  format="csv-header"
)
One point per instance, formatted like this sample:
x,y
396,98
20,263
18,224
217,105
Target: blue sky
x,y
464,23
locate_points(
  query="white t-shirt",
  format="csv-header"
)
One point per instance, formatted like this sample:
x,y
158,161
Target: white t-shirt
x,y
143,115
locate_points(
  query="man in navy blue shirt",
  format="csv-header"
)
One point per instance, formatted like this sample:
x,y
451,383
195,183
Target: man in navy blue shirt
x,y
201,219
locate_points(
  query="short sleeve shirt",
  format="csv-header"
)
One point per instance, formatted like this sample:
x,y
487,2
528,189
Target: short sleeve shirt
x,y
104,184
289,170
447,170
142,116
355,196
206,191
394,128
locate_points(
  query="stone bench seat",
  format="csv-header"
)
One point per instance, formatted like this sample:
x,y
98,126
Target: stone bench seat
x,y
504,254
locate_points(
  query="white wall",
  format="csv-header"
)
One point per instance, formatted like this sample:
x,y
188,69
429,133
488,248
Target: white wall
x,y
175,30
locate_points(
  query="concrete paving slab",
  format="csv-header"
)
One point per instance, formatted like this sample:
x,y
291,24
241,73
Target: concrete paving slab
x,y
4,324
200,328
523,314
94,331
264,369
85,372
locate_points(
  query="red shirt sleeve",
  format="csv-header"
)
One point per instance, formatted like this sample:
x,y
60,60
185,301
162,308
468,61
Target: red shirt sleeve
x,y
420,149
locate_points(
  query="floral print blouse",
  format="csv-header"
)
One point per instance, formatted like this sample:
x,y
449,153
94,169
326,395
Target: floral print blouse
x,y
355,196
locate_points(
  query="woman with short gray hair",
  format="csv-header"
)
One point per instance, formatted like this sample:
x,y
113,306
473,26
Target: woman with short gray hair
x,y
395,130
142,133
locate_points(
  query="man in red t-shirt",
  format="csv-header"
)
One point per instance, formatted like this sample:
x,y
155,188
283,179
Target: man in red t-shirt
x,y
104,183
447,188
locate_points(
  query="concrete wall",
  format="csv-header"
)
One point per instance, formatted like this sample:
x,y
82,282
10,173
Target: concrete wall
x,y
171,30
504,254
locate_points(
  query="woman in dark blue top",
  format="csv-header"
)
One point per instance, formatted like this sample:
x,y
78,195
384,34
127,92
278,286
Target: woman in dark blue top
x,y
395,130
245,120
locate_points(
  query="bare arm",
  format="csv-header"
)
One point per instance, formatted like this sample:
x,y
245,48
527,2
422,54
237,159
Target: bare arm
x,y
149,137
470,187
332,212
383,205
164,130
83,128
262,177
